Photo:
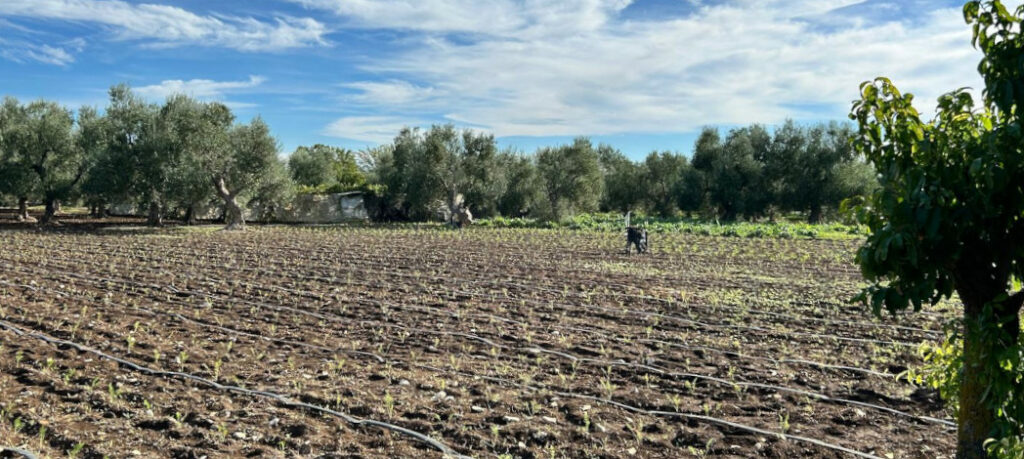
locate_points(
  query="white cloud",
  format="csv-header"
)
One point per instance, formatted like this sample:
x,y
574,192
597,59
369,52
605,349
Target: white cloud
x,y
428,15
734,63
522,18
379,129
164,25
202,89
21,51
393,92
50,55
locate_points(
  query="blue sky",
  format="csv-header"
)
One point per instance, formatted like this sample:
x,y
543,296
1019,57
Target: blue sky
x,y
641,75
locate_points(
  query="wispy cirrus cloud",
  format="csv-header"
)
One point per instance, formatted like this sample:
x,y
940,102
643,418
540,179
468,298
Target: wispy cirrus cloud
x,y
167,25
23,51
202,89
378,129
729,63
523,18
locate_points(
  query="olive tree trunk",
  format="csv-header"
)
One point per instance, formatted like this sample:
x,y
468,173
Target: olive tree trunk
x,y
23,215
233,217
815,215
453,207
52,207
156,215
190,216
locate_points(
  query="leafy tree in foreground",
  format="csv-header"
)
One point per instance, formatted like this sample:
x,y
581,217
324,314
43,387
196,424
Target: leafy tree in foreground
x,y
949,216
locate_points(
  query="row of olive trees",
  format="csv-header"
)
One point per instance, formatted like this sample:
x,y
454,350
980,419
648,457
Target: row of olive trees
x,y
749,174
175,156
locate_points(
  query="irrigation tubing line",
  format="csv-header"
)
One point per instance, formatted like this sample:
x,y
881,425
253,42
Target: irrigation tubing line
x,y
284,400
695,417
598,362
23,453
550,290
132,282
674,374
643,313
588,331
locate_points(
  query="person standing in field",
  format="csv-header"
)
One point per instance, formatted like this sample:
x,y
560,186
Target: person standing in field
x,y
636,236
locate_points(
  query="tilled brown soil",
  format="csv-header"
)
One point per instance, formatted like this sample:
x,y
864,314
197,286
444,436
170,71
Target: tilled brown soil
x,y
405,342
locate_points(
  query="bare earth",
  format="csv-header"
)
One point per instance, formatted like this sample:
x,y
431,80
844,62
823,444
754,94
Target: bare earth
x,y
278,342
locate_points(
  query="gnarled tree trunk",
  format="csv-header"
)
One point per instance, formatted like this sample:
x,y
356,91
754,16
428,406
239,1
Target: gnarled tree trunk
x,y
23,215
190,216
233,216
52,207
156,215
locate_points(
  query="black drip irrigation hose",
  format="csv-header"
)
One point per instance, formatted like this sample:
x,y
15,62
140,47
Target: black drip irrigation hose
x,y
599,362
19,451
929,333
694,417
283,400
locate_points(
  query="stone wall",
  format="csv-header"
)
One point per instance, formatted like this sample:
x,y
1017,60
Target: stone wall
x,y
321,208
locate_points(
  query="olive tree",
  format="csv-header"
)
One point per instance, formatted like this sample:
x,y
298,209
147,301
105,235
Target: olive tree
x,y
949,217
188,133
244,163
570,178
132,167
483,180
16,175
90,139
44,140
623,190
732,174
324,167
521,192
661,174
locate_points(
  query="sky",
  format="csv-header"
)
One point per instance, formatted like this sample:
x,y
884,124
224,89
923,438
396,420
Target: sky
x,y
640,75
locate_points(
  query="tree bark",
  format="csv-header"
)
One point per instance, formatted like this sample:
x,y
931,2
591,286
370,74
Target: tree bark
x,y
156,215
98,210
190,216
453,207
23,215
815,215
976,421
233,216
52,207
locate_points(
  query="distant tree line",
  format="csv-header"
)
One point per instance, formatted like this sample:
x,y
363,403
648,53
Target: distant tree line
x,y
175,159
170,159
749,174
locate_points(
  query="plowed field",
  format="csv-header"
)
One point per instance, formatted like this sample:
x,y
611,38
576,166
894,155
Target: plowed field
x,y
404,342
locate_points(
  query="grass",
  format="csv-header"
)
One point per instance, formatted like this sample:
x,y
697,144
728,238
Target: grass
x,y
612,222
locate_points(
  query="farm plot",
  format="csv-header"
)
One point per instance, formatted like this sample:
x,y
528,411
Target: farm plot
x,y
402,342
